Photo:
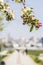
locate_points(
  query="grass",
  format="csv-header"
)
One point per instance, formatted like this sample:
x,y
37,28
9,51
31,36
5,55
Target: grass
x,y
1,57
34,54
9,52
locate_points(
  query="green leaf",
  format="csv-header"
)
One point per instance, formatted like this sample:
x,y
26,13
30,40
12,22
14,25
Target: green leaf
x,y
36,21
17,1
1,18
1,28
24,0
5,5
31,28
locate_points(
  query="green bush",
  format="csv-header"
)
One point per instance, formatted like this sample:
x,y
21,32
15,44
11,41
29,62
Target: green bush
x,y
2,57
35,52
34,55
10,51
37,60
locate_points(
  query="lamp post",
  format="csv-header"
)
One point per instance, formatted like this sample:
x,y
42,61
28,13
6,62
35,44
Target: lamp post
x,y
42,41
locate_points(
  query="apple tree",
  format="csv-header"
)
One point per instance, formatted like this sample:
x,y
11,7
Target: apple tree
x,y
27,15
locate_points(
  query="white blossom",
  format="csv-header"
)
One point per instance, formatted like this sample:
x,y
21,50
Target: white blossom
x,y
1,1
33,18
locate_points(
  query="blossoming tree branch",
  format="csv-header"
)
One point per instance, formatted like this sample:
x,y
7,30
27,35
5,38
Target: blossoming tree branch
x,y
27,15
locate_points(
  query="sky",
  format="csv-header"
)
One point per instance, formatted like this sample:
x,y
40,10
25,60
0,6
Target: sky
x,y
16,29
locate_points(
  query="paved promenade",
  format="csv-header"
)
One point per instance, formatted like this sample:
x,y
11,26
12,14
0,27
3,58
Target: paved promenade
x,y
19,59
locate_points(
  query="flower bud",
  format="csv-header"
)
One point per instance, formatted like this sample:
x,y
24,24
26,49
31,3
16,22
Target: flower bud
x,y
39,24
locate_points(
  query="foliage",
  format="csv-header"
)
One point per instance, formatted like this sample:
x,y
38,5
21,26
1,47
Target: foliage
x,y
37,60
35,52
34,55
10,51
27,16
19,1
1,57
5,12
30,19
5,9
1,18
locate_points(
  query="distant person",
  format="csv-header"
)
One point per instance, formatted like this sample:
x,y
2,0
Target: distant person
x,y
26,51
18,50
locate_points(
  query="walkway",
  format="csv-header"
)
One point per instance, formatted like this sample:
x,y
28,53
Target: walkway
x,y
19,59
